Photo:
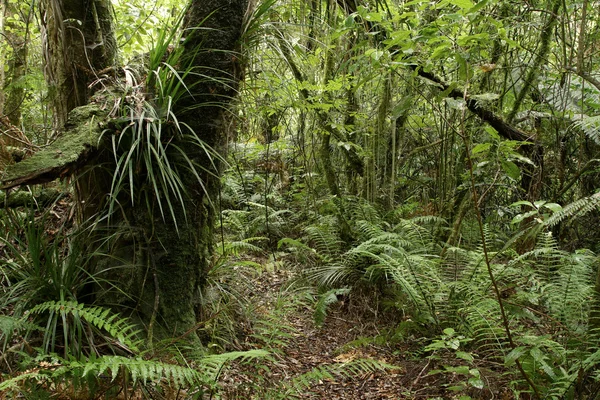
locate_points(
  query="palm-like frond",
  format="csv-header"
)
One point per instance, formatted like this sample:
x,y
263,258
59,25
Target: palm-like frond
x,y
576,209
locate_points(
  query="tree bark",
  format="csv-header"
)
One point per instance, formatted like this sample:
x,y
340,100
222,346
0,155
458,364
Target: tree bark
x,y
169,254
80,42
13,90
179,261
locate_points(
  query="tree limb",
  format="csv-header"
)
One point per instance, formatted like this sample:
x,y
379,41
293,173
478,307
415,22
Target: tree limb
x,y
64,156
505,129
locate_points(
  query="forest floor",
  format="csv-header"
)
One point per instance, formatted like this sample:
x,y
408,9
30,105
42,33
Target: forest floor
x,y
354,329
349,333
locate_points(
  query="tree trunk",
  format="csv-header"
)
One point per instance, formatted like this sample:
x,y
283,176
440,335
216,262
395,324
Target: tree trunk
x,y
13,90
169,252
179,259
80,43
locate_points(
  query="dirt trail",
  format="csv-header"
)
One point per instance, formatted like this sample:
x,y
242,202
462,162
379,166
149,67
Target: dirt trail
x,y
309,347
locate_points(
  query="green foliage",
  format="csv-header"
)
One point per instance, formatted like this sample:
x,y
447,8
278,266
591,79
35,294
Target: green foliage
x,y
368,114
78,314
151,145
401,254
469,377
44,275
325,300
51,368
332,372
140,24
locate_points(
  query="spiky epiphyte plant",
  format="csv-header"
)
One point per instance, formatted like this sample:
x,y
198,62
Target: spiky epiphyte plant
x,y
151,145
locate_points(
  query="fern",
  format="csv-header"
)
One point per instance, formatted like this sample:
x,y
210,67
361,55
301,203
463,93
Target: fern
x,y
325,300
211,365
348,370
15,382
139,370
324,238
571,289
590,125
576,209
237,247
101,318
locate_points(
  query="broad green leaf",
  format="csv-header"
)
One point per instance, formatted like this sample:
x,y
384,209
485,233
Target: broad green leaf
x,y
524,216
464,4
449,332
522,203
486,97
440,51
461,369
480,148
374,17
492,132
511,169
476,383
553,206
464,355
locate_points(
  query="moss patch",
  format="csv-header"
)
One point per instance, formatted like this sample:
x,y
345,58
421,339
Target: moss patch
x,y
80,139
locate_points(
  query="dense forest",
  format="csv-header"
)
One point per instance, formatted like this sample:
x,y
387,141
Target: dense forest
x,y
277,199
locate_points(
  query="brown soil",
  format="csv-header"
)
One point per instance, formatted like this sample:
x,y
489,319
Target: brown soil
x,y
330,346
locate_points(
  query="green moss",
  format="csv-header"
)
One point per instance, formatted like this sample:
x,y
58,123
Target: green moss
x,y
82,133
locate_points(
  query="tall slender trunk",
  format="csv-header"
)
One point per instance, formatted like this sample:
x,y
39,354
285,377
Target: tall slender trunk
x,y
16,39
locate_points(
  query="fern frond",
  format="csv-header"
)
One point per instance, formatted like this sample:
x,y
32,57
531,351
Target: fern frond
x,y
101,318
15,382
571,289
324,238
10,324
335,273
211,365
236,247
576,209
590,125
348,370
325,300
368,230
483,321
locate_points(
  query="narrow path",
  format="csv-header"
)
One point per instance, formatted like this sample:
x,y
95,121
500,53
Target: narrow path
x,y
302,349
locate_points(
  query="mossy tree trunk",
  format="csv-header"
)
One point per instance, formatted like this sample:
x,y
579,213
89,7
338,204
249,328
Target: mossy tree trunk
x,y
80,43
169,251
178,253
16,38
